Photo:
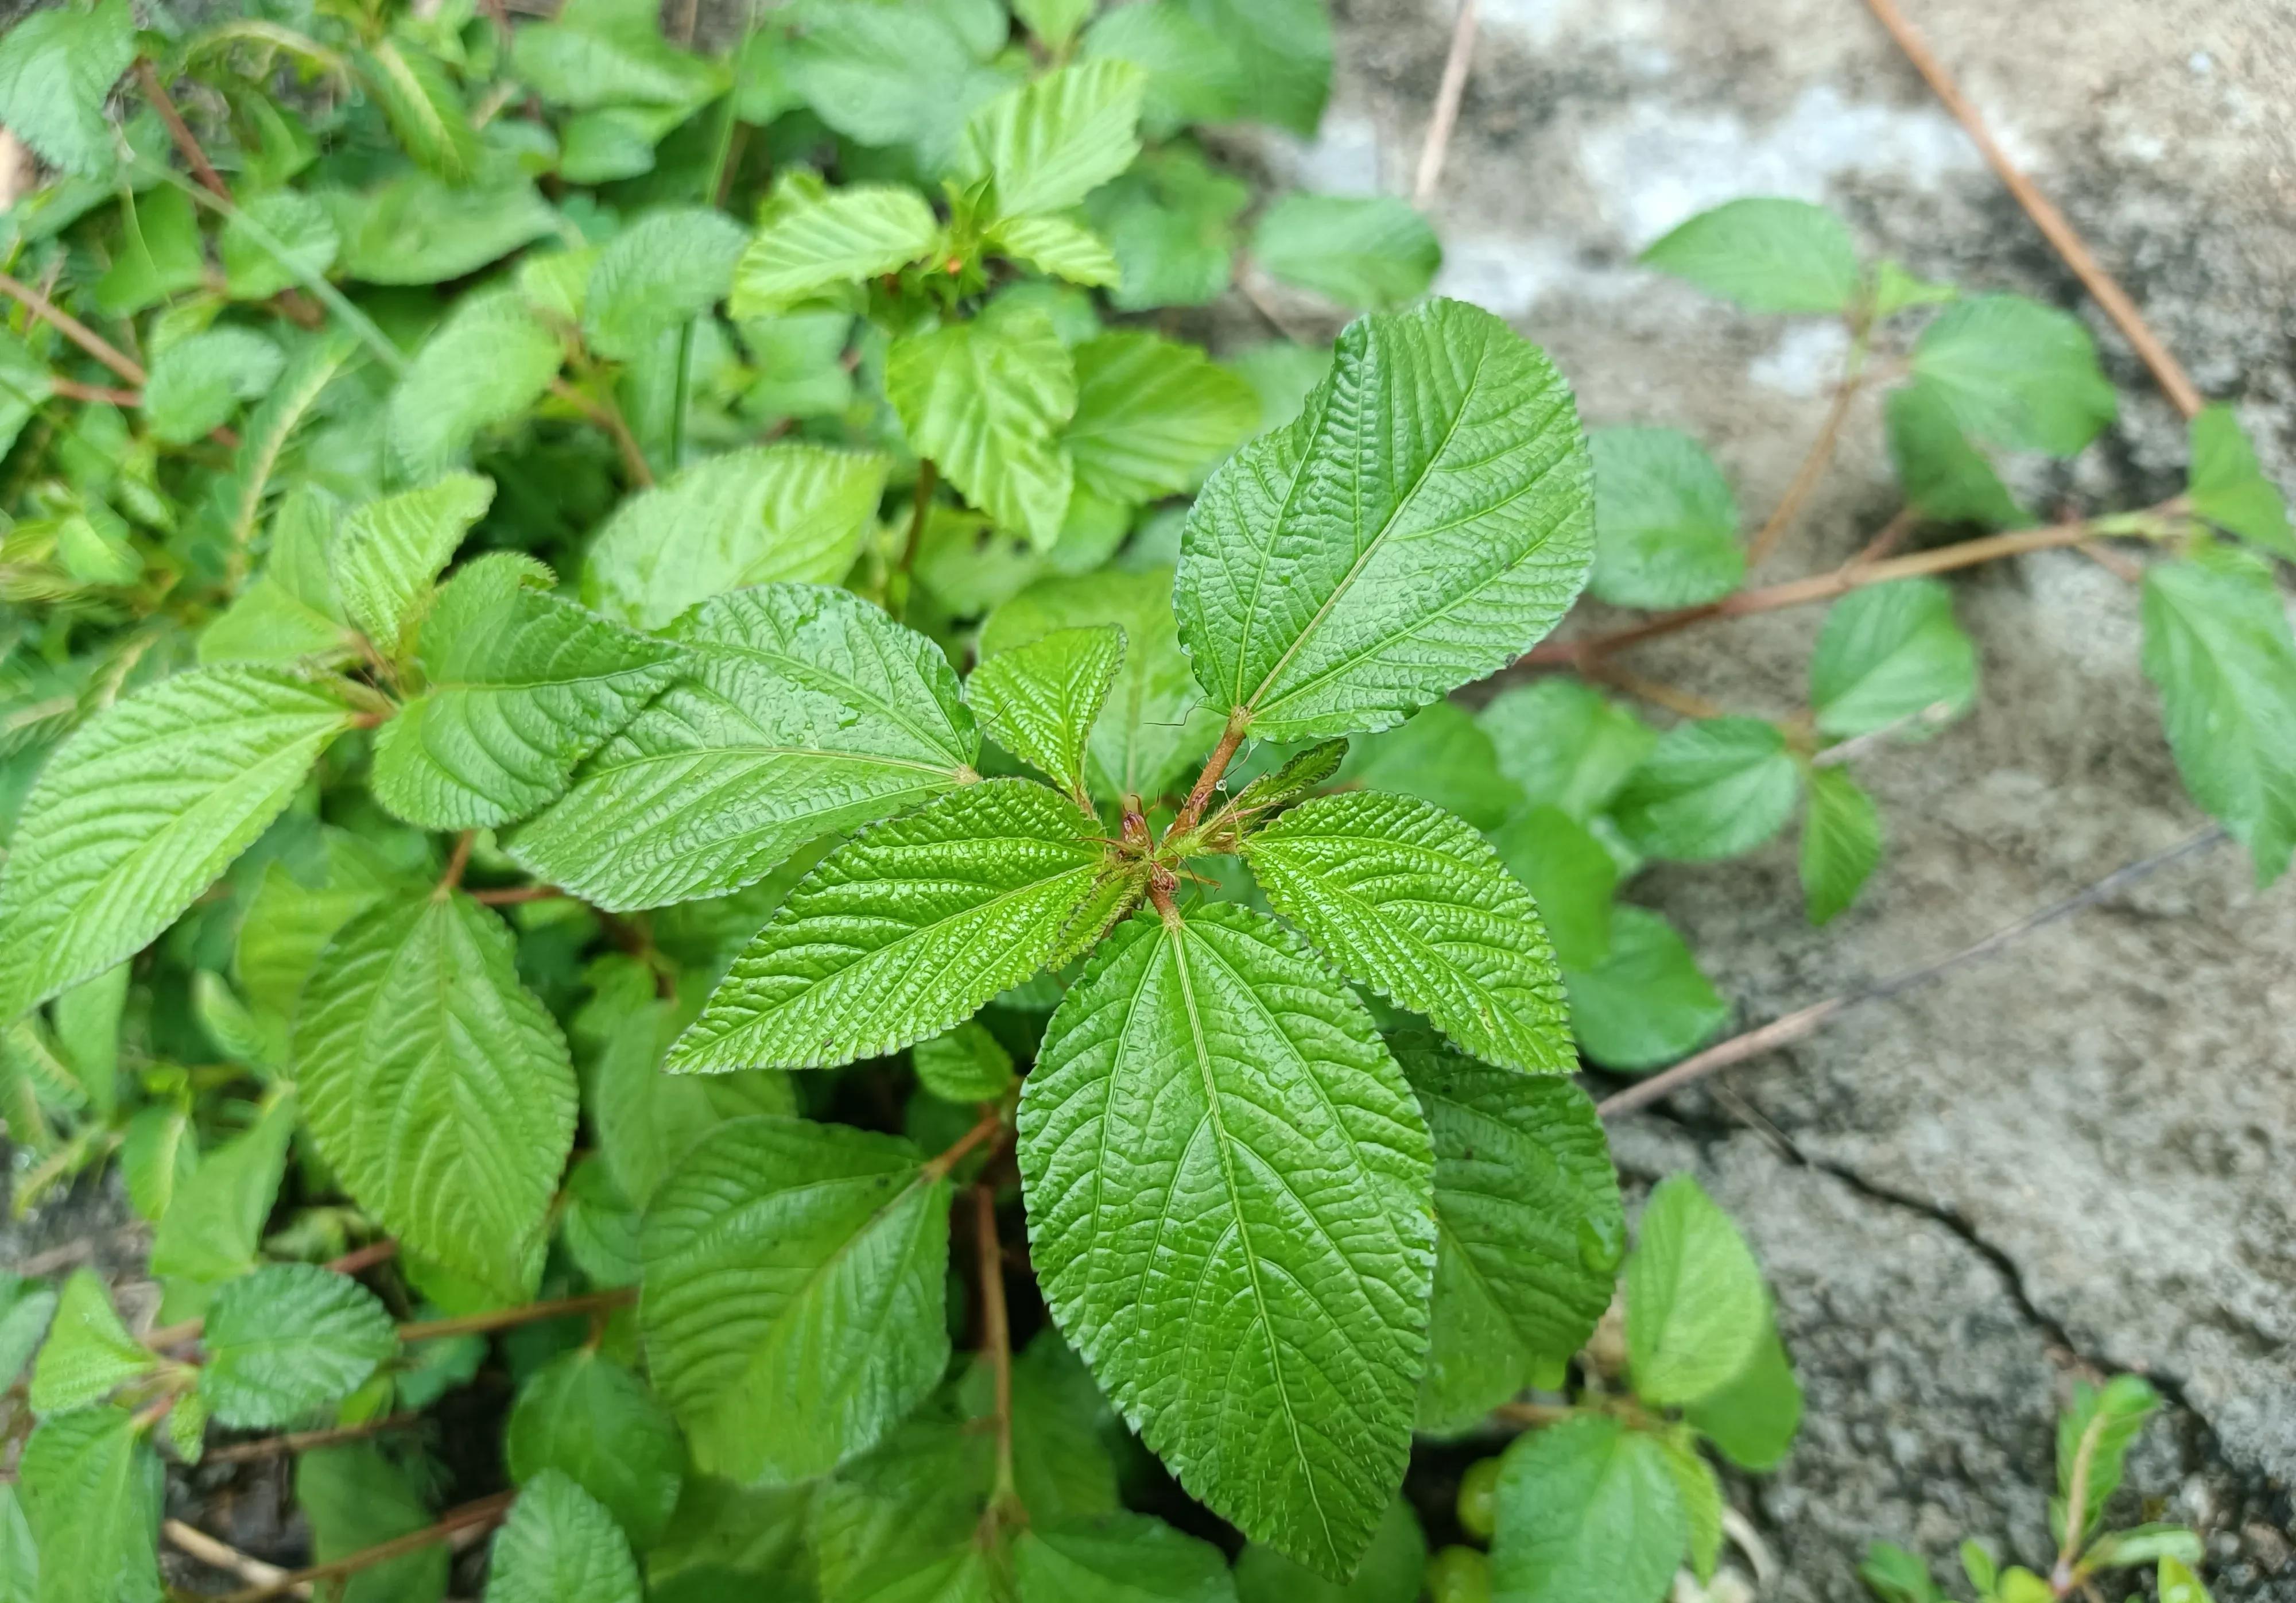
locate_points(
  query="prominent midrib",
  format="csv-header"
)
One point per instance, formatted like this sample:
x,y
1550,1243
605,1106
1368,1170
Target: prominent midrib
x,y
848,690
1177,934
692,753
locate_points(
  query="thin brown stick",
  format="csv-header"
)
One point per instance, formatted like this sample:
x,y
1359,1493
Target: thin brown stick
x,y
2105,556
995,1338
1658,692
303,1440
79,333
610,419
456,862
180,131
2181,390
71,391
1794,1026
1889,538
1807,476
990,1123
223,1556
504,1318
1531,1415
486,1511
1447,96
510,896
365,1257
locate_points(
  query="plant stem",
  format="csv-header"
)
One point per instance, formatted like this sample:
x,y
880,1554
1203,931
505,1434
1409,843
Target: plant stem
x,y
681,396
511,895
1447,96
364,1258
2077,1504
70,389
1813,466
2060,234
1238,722
302,1441
897,584
178,129
608,417
991,1123
504,1318
997,1339
223,1556
79,333
1532,1414
456,861
1658,692
486,1511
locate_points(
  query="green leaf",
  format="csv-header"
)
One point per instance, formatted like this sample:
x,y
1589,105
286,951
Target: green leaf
x,y
387,553
1570,876
561,1546
1371,253
290,613
20,1558
487,363
2106,1418
1977,1563
1565,744
267,444
1841,842
2177,1583
1945,477
1665,525
1289,783
435,1086
288,1339
423,107
518,686
1118,1558
1588,1512
907,930
1284,50
26,1309
2016,373
1153,417
1171,223
1752,1420
1229,1206
1049,143
1700,1494
2142,1545
415,229
646,1119
1528,1230
159,254
808,712
1423,523
2229,490
793,1293
214,1227
86,1020
138,812
288,921
198,383
1149,732
1055,246
1054,22
1889,654
91,1489
964,1065
768,513
1767,255
1040,701
591,1419
1062,1429
606,53
1441,755
889,75
56,69
1895,1575
1710,788
813,239
355,1499
2217,647
657,274
1404,898
88,1353
988,404
1895,290
1194,73
800,357
1696,1313
1391,1571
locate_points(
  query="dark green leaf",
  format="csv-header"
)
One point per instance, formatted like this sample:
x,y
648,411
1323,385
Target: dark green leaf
x,y
1391,1572
1588,1513
1152,417
287,1339
658,274
91,1489
1564,744
355,1499
592,1420
1945,477
1119,1558
1284,50
1572,877
1040,701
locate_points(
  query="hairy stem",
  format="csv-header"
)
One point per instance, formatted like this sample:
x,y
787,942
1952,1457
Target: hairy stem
x,y
991,1123
178,130
1200,796
504,1318
486,1511
456,862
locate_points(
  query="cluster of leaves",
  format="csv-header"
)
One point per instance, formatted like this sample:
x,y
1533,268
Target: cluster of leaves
x,y
2093,1436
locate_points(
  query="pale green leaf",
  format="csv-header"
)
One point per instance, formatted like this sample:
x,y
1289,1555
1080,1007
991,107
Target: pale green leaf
x,y
288,1339
1049,143
1665,525
2229,490
435,1086
1284,50
1153,417
2178,1583
518,688
355,1499
889,75
197,382
1570,876
1647,1003
1055,245
290,613
1696,1313
1752,1420
799,359
1441,755
1040,701
186,1425
1767,255
1371,252
2218,647
964,1065
907,929
1565,744
1710,788
604,52
1841,842
26,1308
1588,1513
2104,1420
780,512
88,1353
415,229
288,920
1391,1572
214,1227
423,107
793,1276
1230,1200
1406,898
1195,75
20,1558
1945,477
1054,22
1423,523
586,1416
86,1022
2016,373
810,239
987,404
275,241
138,812
159,255
1118,1558
808,712
57,68
645,1120
388,551
2144,1544
657,274
1896,290
487,363
1895,1575
1889,653
1289,782
92,1488
1153,728
267,445
1171,223
561,1546
1700,1494
1528,1229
